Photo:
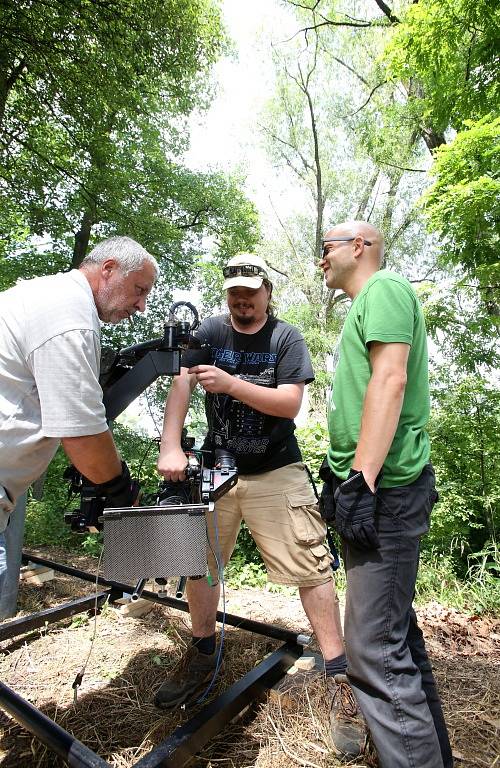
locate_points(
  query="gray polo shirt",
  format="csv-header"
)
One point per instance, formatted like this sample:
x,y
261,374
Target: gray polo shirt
x,y
49,369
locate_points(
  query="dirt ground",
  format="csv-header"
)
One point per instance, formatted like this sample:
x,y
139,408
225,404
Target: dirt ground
x,y
115,717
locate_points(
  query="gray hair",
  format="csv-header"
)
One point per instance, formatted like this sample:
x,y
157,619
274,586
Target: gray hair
x,y
126,252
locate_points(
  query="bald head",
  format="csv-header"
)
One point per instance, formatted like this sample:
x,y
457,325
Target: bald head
x,y
368,232
352,252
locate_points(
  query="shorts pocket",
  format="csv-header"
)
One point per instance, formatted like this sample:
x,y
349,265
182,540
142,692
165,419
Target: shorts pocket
x,y
323,556
305,521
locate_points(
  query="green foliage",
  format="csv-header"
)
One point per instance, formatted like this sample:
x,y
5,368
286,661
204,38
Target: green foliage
x,y
462,320
446,52
241,573
477,592
464,430
313,442
94,101
92,544
45,519
464,201
320,333
451,48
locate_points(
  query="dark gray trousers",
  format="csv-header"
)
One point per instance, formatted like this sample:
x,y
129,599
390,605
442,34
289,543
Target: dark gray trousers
x,y
388,666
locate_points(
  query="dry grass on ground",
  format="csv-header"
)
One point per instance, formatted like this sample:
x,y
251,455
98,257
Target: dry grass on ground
x,y
115,716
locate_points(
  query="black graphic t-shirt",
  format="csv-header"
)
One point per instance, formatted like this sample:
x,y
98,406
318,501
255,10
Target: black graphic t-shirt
x,y
275,355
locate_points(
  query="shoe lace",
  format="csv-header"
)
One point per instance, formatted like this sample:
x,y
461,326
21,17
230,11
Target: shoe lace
x,y
345,698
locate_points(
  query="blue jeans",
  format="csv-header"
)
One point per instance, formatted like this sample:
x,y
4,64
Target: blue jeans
x,y
388,666
3,561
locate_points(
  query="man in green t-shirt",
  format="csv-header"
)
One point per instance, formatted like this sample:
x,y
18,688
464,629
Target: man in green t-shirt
x,y
379,492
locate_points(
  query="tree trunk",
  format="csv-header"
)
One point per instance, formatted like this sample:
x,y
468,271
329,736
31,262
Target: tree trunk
x,y
8,78
82,238
367,194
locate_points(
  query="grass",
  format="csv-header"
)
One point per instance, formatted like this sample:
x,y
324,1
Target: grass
x,y
478,592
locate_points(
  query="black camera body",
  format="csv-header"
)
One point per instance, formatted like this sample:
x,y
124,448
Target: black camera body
x,y
202,485
85,519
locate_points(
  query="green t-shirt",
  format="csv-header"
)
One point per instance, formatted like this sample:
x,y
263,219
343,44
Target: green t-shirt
x,y
385,310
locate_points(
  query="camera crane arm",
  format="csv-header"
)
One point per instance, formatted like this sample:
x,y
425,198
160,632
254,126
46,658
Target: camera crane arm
x,y
135,368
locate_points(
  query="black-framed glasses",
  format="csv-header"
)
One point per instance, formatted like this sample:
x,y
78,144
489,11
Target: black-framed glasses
x,y
340,240
244,270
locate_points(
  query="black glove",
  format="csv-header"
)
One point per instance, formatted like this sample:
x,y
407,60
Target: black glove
x,y
355,512
120,491
326,502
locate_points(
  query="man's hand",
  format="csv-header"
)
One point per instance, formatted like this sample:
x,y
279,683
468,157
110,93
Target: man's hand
x,y
370,479
213,379
283,401
121,491
355,506
171,464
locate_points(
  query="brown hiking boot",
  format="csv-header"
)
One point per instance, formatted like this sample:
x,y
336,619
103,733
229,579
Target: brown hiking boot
x,y
193,673
347,726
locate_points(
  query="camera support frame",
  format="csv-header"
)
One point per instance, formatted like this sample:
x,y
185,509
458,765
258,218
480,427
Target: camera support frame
x,y
145,363
187,739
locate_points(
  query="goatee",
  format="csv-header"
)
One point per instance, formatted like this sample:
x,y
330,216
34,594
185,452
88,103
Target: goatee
x,y
244,319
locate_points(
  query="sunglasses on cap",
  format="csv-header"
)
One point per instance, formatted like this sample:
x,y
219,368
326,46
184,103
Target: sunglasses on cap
x,y
339,240
244,270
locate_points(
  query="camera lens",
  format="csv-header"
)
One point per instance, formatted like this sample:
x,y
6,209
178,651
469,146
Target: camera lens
x,y
224,459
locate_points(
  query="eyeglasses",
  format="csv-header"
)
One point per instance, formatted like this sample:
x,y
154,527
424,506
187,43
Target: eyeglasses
x,y
244,270
340,240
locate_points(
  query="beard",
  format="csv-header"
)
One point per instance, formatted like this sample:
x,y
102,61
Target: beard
x,y
244,319
110,305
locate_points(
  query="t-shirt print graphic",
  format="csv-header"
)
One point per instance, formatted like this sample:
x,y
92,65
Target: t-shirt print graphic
x,y
239,426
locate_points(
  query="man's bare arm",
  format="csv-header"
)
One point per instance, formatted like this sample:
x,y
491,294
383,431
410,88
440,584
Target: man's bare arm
x,y
381,408
283,401
95,456
172,460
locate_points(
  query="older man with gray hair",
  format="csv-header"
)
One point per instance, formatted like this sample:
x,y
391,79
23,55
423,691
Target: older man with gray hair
x,y
49,370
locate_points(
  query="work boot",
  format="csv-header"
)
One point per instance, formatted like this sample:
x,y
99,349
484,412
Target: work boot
x,y
193,673
347,726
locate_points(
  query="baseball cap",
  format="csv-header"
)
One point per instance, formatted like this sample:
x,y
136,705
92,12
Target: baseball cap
x,y
245,270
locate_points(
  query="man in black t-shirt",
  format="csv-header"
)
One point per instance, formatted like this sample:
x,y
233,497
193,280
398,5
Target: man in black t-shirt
x,y
254,371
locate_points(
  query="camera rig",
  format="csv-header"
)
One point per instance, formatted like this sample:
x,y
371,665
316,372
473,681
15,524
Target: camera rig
x,y
167,538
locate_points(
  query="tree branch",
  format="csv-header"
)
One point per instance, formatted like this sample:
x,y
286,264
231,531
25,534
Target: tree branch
x,y
402,168
351,114
387,11
196,221
287,235
360,77
366,194
405,224
305,163
325,24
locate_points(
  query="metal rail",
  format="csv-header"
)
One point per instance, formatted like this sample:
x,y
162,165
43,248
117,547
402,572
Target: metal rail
x,y
50,615
191,737
258,627
187,739
52,735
